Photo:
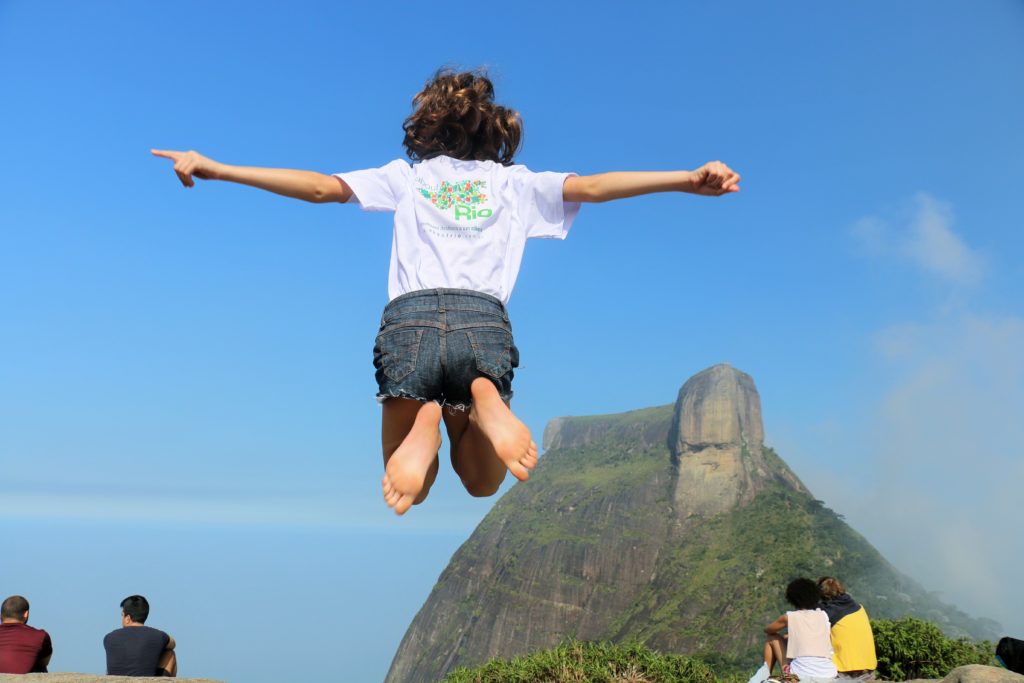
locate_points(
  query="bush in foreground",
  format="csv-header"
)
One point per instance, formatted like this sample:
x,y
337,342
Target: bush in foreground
x,y
907,648
575,661
910,648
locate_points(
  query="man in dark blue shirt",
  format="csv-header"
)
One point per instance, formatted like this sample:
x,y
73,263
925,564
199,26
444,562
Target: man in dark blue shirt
x,y
136,649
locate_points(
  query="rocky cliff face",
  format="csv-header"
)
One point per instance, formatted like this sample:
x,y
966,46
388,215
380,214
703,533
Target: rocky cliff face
x,y
719,406
717,443
673,525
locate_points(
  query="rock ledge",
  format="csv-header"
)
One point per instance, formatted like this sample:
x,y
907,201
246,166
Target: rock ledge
x,y
977,673
90,678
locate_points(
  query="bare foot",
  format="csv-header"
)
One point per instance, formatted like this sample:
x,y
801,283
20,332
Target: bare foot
x,y
507,434
405,474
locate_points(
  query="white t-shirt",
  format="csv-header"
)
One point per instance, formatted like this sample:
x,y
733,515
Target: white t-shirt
x,y
809,645
462,224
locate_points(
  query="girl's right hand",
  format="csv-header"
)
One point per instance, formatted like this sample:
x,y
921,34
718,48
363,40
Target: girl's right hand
x,y
188,164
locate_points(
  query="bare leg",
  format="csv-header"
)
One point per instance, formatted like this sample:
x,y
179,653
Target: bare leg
x,y
410,437
473,457
509,438
168,662
775,652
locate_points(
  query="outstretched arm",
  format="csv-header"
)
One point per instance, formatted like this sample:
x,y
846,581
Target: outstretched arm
x,y
712,179
306,185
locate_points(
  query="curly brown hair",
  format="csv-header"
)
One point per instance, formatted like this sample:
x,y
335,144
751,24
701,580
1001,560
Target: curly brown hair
x,y
455,115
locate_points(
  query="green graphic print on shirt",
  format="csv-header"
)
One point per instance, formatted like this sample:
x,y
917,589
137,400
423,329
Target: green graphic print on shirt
x,y
465,197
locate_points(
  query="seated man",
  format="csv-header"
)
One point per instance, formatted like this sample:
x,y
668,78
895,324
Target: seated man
x,y
23,649
136,649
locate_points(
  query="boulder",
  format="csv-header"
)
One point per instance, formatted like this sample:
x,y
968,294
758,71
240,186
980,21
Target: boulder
x,y
978,673
89,678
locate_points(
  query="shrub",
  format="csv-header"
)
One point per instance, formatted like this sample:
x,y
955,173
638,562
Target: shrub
x,y
575,661
910,648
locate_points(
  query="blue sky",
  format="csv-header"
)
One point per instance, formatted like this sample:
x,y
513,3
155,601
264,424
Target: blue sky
x,y
186,396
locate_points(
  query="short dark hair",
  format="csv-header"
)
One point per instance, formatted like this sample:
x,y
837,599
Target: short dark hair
x,y
803,593
14,607
136,607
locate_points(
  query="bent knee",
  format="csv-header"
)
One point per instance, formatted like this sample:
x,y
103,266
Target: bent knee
x,y
422,495
482,489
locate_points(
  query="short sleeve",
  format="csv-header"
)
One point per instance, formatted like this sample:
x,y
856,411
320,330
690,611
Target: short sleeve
x,y
377,189
540,206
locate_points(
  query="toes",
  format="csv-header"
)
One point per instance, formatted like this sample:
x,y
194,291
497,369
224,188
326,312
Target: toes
x,y
518,471
391,495
403,504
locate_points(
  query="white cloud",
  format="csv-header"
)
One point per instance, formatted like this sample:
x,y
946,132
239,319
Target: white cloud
x,y
934,246
923,235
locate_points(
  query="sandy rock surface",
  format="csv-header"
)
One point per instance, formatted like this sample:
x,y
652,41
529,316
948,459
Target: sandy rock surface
x,y
977,673
89,678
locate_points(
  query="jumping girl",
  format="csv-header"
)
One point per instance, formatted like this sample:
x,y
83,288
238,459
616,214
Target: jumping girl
x,y
463,212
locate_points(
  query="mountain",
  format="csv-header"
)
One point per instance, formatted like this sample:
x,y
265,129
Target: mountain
x,y
673,525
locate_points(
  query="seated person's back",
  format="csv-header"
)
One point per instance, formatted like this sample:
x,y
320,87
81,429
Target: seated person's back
x,y
135,650
852,638
23,649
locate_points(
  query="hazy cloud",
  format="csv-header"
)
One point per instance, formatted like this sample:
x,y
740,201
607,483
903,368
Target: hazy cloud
x,y
929,463
302,512
941,459
922,234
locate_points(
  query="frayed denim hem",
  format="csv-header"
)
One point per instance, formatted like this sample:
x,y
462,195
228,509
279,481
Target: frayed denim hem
x,y
405,394
453,408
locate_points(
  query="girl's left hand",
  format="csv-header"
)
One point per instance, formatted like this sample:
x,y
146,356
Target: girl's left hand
x,y
715,179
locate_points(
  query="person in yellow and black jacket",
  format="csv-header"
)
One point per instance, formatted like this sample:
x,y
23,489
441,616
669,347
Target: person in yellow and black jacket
x,y
852,640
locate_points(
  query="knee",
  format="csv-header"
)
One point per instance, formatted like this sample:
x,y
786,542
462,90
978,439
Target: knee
x,y
482,488
423,494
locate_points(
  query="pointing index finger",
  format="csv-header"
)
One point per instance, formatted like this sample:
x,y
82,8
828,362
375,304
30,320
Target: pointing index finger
x,y
165,153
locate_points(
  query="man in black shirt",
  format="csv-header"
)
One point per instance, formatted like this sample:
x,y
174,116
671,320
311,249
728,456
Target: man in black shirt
x,y
136,649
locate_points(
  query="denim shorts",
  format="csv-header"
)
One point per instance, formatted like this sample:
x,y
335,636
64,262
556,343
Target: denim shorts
x,y
433,343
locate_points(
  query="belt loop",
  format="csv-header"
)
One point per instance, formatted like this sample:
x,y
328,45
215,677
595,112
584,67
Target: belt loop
x,y
440,301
